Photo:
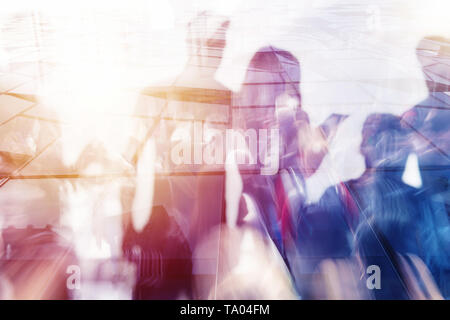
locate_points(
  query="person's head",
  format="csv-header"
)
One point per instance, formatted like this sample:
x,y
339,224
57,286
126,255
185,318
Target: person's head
x,y
385,143
206,38
430,50
271,88
273,75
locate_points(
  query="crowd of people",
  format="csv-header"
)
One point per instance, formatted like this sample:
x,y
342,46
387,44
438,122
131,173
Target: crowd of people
x,y
234,233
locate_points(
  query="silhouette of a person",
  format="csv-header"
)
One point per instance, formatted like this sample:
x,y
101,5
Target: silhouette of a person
x,y
270,98
190,196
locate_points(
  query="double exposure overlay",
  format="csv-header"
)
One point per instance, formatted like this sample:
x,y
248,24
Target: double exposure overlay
x,y
225,149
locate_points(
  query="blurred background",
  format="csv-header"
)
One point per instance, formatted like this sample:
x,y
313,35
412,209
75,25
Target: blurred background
x,y
93,95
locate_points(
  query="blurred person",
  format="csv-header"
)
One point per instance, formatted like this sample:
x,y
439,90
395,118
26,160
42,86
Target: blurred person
x,y
192,202
92,220
428,120
270,99
162,257
429,125
390,219
397,219
35,253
